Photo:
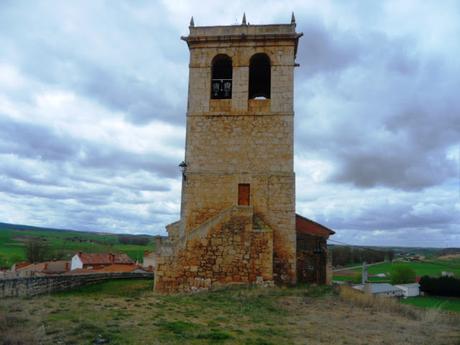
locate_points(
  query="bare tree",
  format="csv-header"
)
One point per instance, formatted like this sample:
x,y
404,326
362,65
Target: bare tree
x,y
37,250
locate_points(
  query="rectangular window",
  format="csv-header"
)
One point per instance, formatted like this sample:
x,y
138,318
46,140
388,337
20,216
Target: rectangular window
x,y
244,194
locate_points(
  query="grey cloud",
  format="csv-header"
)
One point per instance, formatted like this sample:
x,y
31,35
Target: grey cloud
x,y
93,195
140,85
322,50
98,157
34,141
383,211
393,166
142,101
109,216
40,142
398,111
29,173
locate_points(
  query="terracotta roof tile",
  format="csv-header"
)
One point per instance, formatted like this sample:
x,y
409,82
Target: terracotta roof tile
x,y
118,268
57,266
104,258
310,227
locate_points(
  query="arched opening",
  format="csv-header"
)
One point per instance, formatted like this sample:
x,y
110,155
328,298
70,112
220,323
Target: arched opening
x,y
221,80
259,76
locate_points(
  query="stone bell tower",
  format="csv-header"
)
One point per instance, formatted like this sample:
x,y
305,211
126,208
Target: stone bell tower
x,y
238,193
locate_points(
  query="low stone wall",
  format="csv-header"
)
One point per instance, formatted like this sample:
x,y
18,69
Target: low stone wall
x,y
32,286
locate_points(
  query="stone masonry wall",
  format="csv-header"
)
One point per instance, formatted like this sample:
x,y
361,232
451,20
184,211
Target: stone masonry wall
x,y
26,287
226,249
240,144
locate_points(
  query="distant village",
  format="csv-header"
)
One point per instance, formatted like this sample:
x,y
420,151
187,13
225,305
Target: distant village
x,y
82,263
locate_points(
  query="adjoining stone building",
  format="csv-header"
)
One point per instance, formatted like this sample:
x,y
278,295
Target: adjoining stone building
x,y
238,221
313,261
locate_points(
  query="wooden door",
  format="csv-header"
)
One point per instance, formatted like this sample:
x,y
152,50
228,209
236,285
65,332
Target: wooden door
x,y
243,194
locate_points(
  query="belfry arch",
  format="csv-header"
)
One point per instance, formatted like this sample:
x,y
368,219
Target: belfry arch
x,y
221,77
259,76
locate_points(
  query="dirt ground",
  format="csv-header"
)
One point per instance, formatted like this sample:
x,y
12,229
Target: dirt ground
x,y
123,314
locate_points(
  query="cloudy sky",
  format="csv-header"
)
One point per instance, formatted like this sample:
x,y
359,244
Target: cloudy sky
x,y
93,97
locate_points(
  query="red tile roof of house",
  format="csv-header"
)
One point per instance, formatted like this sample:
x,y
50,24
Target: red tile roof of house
x,y
57,266
104,258
310,227
118,268
22,264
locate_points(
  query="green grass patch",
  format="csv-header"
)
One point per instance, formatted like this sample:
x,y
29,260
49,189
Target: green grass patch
x,y
432,268
371,279
112,288
442,303
191,332
181,329
215,335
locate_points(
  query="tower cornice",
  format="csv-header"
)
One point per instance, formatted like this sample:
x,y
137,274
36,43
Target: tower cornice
x,y
242,33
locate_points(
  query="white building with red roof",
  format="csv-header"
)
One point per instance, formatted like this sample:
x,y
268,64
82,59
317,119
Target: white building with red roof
x,y
94,261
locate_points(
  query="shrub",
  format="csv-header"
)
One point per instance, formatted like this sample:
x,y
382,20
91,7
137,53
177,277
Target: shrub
x,y
134,239
442,286
402,275
357,278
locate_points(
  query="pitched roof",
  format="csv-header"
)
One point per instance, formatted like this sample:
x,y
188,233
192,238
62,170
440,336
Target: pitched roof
x,y
382,288
18,265
409,285
118,268
47,267
310,227
104,258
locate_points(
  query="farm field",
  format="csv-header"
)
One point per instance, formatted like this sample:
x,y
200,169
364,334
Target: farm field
x,y
432,268
351,277
62,242
129,312
443,303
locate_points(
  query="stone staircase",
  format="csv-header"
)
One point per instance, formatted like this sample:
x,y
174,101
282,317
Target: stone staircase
x,y
233,247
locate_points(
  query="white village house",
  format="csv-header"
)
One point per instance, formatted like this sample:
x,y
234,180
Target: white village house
x,y
379,289
410,290
149,260
98,260
388,290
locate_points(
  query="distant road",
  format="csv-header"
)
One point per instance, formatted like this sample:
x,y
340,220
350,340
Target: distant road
x,y
360,266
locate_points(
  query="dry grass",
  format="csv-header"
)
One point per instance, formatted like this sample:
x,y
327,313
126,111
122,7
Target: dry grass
x,y
430,321
390,305
251,316
13,333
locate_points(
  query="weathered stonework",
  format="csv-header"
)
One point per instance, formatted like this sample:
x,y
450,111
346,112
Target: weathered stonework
x,y
233,247
230,142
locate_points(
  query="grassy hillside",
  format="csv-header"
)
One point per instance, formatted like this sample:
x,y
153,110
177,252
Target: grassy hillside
x,y
63,242
128,312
